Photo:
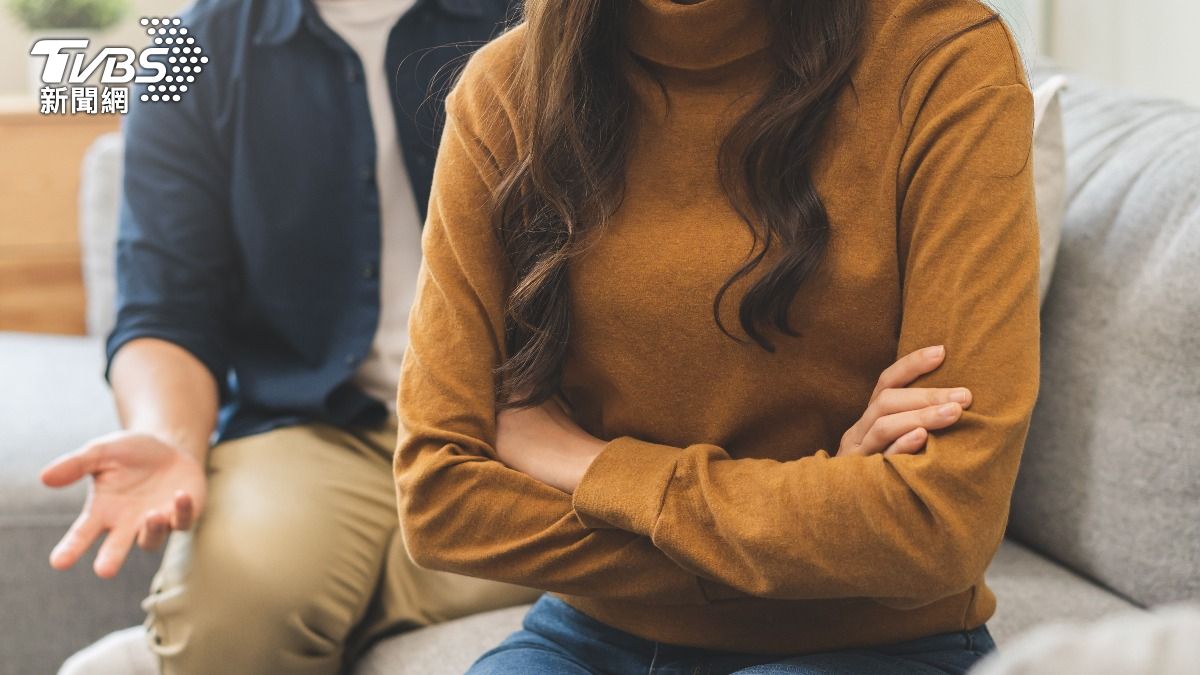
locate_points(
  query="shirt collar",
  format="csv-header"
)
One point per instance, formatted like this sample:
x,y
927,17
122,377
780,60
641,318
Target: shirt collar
x,y
282,18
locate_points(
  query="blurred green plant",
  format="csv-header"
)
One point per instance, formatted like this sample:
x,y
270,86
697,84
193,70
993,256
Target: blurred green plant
x,y
92,14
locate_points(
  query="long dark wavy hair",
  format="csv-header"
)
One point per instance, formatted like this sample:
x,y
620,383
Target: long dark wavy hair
x,y
575,107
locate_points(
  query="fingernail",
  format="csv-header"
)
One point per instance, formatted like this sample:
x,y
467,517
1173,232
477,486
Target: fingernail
x,y
960,395
934,352
948,410
916,433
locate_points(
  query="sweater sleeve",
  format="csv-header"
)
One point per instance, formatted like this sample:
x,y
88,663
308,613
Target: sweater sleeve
x,y
461,509
908,529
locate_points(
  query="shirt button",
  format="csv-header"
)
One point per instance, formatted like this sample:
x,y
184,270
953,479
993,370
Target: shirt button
x,y
351,74
350,359
422,161
367,173
370,271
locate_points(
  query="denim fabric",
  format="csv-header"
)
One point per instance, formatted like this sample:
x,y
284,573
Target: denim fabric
x,y
557,639
249,228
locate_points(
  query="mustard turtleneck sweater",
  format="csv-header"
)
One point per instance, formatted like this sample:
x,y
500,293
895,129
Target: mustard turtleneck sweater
x,y
716,515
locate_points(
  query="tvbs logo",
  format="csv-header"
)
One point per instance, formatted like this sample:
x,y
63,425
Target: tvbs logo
x,y
120,63
167,68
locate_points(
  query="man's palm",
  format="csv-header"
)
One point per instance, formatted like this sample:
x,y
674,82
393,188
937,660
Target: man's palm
x,y
142,489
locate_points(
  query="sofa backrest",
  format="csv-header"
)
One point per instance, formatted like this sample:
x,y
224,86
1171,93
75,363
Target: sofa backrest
x,y
99,205
1110,480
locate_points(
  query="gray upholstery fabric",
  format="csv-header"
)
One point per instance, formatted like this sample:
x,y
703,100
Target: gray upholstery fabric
x,y
1110,481
1030,588
53,400
446,648
99,205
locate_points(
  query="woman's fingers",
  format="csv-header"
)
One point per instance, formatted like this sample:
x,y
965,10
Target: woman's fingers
x,y
892,401
891,427
909,443
909,367
78,539
899,417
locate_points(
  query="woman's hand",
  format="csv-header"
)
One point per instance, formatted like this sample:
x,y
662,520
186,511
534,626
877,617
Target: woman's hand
x,y
898,419
545,443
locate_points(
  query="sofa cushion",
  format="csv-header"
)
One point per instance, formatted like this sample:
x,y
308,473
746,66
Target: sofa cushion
x,y
54,399
1031,589
1110,479
48,615
449,647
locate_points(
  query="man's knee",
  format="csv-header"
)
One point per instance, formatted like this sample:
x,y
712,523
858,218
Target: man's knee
x,y
254,609
283,561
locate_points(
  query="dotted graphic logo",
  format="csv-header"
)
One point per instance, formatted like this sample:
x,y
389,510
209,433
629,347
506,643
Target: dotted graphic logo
x,y
185,59
79,84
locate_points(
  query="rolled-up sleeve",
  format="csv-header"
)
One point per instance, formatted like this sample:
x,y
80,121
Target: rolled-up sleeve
x,y
176,270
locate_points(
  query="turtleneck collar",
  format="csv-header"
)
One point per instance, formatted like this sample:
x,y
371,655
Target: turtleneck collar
x,y
697,36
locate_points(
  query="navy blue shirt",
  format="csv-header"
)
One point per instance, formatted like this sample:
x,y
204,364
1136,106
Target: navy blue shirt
x,y
249,229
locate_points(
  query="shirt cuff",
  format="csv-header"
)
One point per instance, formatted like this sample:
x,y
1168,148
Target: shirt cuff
x,y
625,485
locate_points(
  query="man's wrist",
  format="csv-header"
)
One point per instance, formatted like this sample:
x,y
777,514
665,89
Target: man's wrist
x,y
188,442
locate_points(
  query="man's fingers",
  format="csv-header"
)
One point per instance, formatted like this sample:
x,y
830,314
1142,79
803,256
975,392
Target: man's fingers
x,y
909,367
184,513
78,539
154,531
113,551
909,443
71,467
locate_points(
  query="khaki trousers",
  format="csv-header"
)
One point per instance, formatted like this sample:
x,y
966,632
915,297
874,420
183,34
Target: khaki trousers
x,y
297,564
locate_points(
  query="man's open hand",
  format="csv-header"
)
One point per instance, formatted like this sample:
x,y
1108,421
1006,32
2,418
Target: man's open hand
x,y
142,488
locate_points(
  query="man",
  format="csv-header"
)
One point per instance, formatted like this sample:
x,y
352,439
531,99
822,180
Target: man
x,y
268,249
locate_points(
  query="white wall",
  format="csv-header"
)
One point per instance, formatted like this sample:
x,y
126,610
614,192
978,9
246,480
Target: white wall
x,y
1149,46
1152,46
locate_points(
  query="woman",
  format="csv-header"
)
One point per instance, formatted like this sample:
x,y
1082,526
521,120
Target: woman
x,y
674,245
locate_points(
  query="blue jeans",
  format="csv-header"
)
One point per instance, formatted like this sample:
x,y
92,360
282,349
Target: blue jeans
x,y
557,639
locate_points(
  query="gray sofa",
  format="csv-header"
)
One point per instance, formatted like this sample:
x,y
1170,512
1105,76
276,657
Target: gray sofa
x,y
1106,510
